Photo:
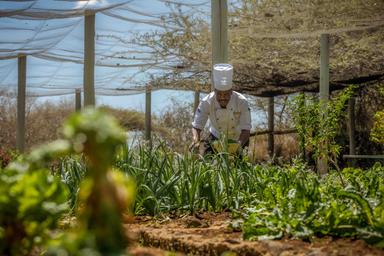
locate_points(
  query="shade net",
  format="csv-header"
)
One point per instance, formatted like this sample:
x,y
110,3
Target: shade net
x,y
273,45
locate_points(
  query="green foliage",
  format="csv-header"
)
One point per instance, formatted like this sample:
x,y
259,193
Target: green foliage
x,y
273,201
72,171
167,181
301,205
318,123
31,202
104,195
377,133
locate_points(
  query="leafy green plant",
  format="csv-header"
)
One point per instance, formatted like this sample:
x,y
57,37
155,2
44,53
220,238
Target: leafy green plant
x,y
318,123
72,170
301,205
105,193
31,201
377,132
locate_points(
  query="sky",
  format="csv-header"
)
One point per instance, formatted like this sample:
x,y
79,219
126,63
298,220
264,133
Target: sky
x,y
51,41
65,38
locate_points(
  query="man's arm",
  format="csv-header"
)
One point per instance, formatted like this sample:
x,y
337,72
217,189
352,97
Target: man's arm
x,y
244,137
245,123
199,120
196,134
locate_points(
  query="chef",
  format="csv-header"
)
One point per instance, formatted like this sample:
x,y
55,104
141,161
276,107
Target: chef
x,y
228,112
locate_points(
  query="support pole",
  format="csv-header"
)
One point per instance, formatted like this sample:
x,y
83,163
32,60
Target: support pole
x,y
322,164
89,59
196,101
271,114
302,139
148,121
21,88
219,31
77,100
351,127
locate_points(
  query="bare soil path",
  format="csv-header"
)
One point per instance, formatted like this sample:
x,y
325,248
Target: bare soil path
x,y
209,234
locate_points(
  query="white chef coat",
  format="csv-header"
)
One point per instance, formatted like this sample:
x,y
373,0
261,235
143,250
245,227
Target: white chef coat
x,y
227,121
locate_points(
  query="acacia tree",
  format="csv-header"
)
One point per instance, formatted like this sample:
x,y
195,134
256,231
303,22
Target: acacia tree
x,y
273,44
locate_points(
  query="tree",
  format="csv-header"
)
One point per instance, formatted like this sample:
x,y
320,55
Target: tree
x,y
274,45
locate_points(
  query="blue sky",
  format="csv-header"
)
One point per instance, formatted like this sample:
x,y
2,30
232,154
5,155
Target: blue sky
x,y
51,40
64,37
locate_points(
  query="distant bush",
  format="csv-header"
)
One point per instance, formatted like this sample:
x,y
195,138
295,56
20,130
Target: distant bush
x,y
175,125
43,120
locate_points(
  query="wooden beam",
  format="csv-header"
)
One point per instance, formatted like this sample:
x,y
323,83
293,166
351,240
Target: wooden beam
x,y
148,119
322,162
77,100
274,132
303,150
351,130
21,88
89,59
364,156
196,101
324,67
351,126
271,117
219,32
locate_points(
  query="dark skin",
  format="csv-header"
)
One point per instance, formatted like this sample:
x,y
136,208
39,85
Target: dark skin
x,y
222,97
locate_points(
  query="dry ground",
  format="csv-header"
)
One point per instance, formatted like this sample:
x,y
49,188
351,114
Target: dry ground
x,y
208,234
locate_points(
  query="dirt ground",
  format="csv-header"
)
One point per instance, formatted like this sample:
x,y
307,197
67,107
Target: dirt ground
x,y
209,234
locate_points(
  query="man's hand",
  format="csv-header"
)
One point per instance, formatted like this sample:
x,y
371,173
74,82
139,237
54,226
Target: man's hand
x,y
194,147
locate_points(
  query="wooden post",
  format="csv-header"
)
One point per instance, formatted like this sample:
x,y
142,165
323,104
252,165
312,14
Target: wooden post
x,y
148,116
351,128
77,100
322,164
89,59
302,142
219,31
21,88
271,114
196,101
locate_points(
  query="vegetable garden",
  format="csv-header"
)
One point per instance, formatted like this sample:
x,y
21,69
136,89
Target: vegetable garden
x,y
71,197
87,191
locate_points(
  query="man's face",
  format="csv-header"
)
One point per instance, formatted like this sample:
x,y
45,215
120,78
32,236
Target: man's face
x,y
223,97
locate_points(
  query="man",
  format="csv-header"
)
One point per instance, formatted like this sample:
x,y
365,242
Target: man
x,y
228,112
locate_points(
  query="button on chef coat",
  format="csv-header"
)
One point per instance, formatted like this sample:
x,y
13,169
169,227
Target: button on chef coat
x,y
227,121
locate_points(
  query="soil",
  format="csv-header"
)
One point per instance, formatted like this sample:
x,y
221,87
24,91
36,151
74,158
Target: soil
x,y
209,234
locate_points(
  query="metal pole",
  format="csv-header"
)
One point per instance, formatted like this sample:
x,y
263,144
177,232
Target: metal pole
x,y
89,59
148,121
322,165
77,100
271,114
21,88
219,31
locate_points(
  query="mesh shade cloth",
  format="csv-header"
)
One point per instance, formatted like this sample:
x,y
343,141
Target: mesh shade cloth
x,y
273,45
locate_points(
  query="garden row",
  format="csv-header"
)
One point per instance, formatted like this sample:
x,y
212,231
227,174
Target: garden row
x,y
89,175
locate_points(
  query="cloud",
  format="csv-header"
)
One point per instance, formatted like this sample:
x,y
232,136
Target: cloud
x,y
90,3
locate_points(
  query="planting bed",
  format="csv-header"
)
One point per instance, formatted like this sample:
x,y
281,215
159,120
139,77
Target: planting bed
x,y
209,234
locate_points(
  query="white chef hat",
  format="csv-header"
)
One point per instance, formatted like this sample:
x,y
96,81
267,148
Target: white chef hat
x,y
222,76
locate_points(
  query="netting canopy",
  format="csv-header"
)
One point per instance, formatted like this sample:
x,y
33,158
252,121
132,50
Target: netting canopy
x,y
51,34
273,44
